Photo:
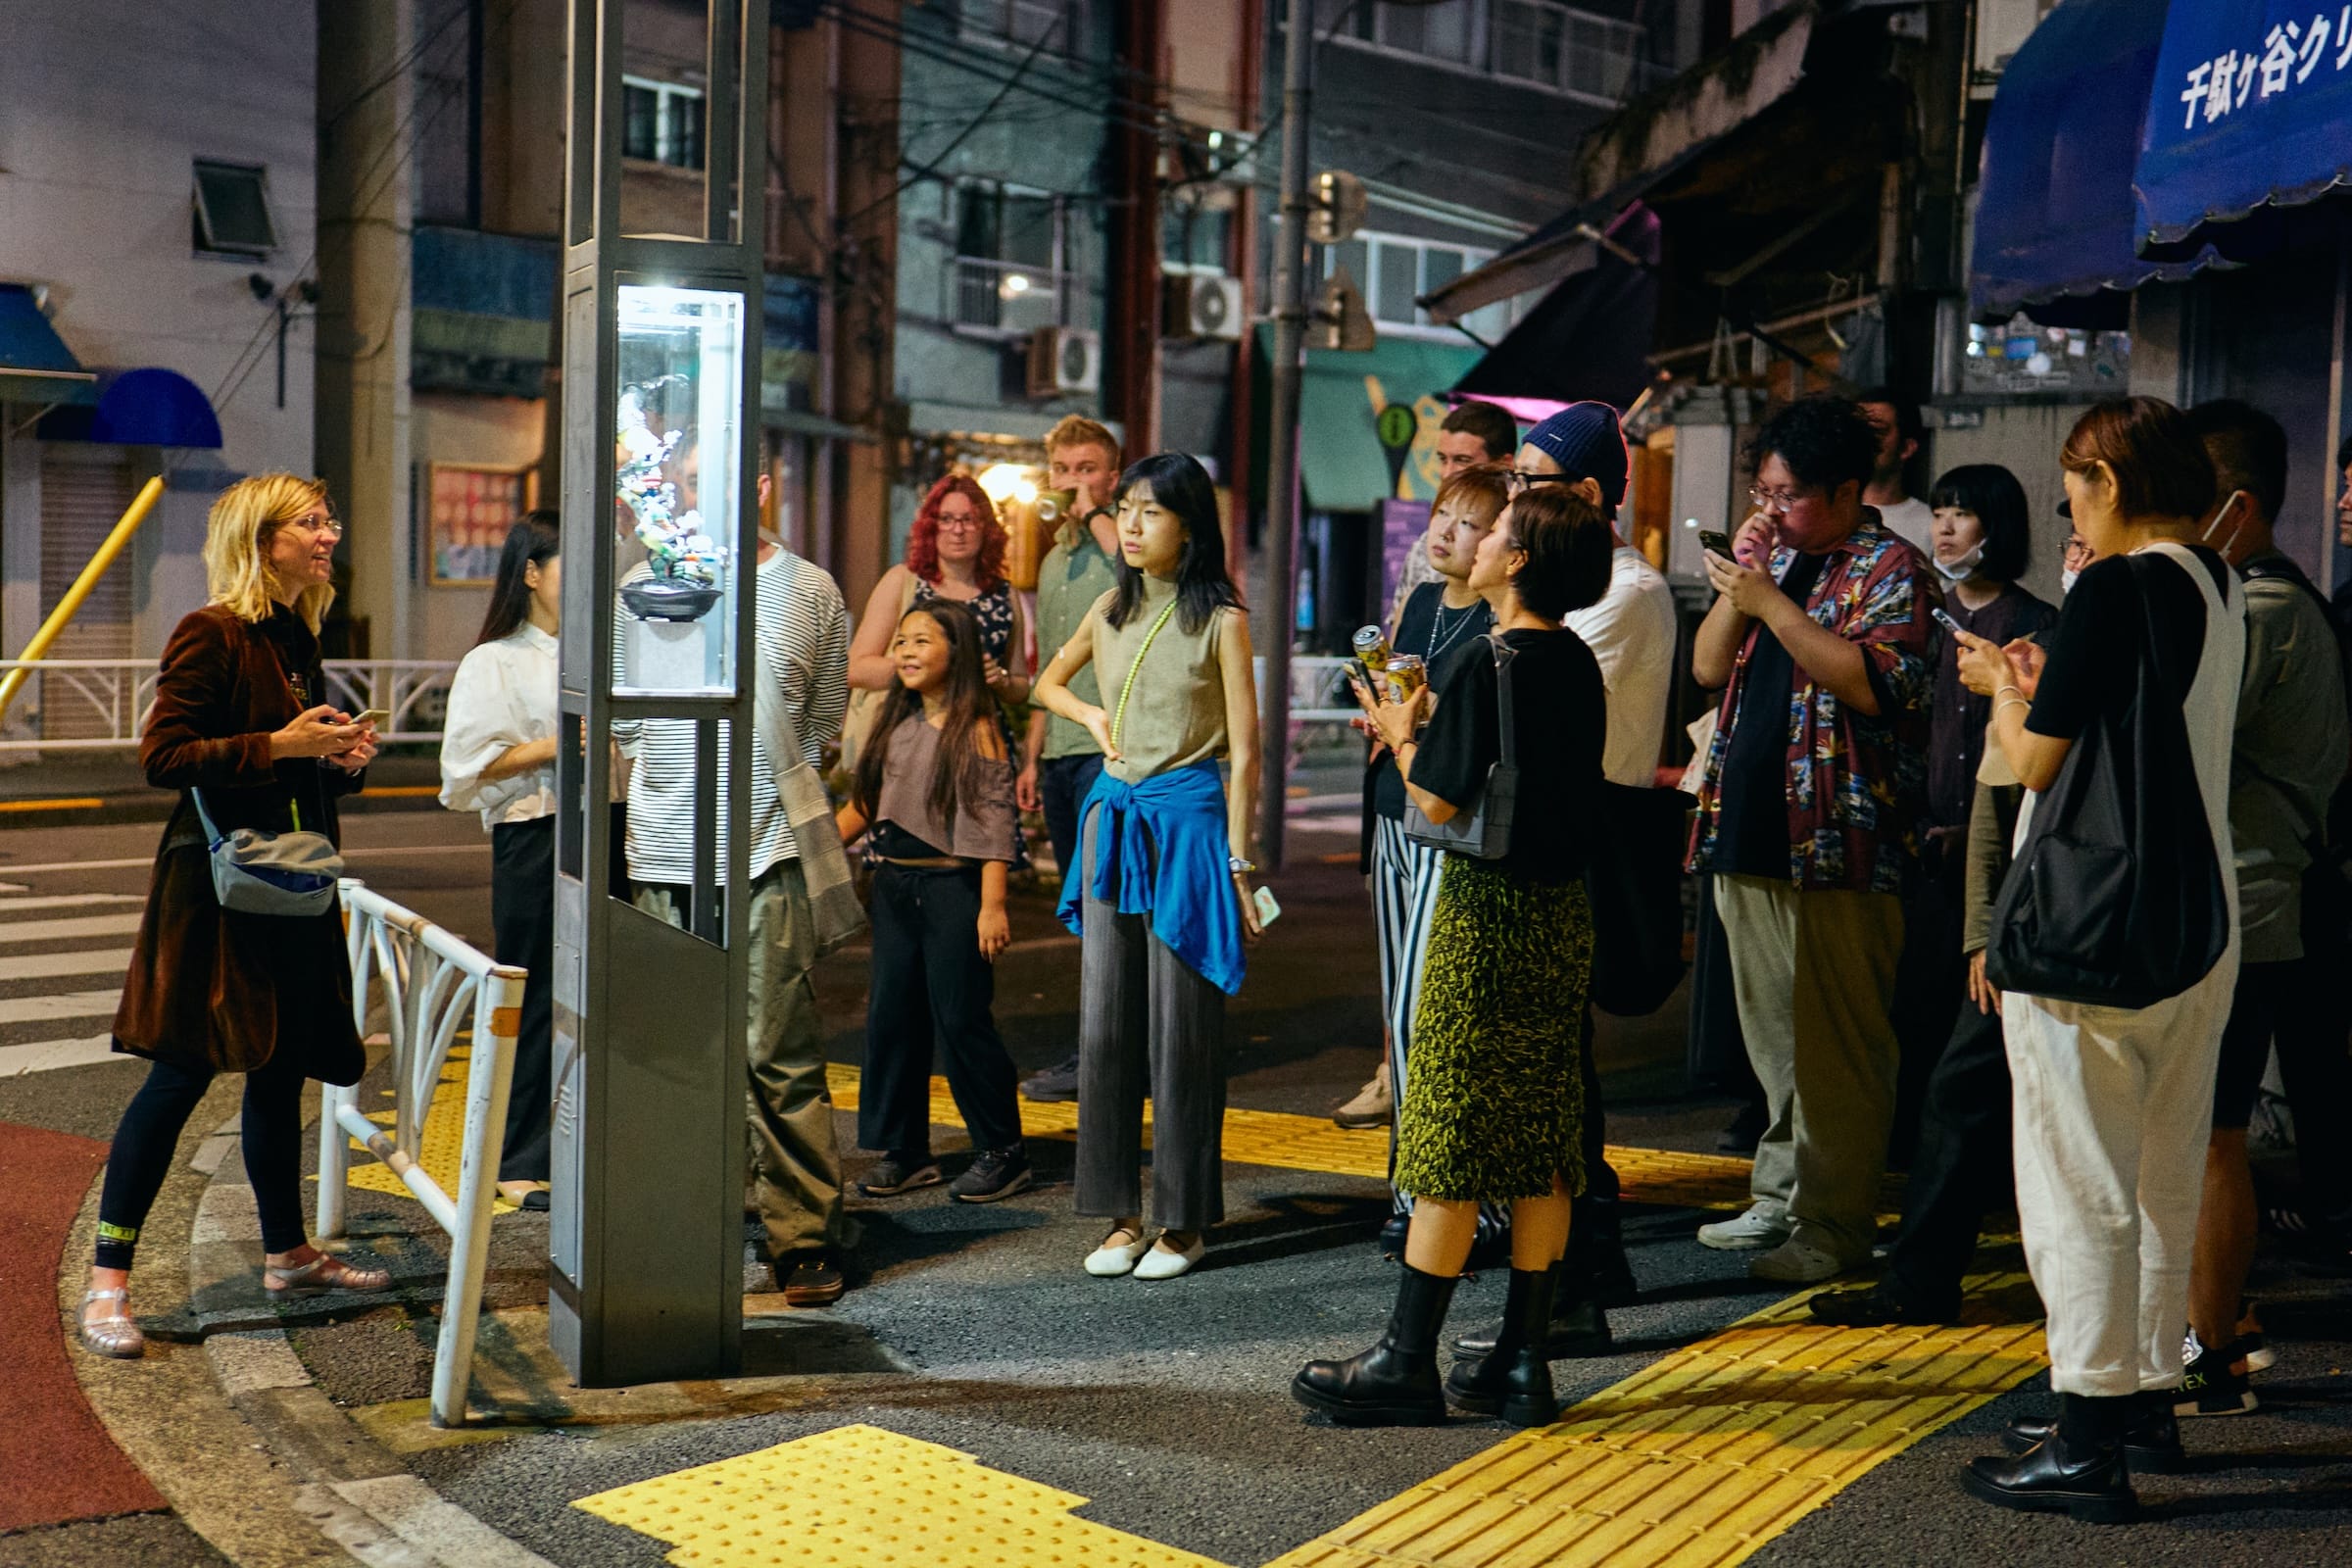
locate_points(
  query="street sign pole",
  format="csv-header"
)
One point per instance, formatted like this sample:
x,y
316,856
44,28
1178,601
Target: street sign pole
x,y
1282,446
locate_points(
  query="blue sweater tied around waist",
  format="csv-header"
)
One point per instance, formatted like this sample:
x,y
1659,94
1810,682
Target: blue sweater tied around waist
x,y
1162,853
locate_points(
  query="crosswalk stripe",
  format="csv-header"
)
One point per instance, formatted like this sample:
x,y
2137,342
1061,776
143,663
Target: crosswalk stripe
x,y
67,901
94,925
59,966
47,1056
60,1004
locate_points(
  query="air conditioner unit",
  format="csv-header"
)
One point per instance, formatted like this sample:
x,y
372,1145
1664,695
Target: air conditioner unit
x,y
1063,360
1202,306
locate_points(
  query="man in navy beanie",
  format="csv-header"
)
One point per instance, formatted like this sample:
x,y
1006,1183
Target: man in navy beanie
x,y
1631,630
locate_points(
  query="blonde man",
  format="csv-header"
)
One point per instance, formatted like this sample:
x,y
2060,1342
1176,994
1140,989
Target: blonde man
x,y
1062,759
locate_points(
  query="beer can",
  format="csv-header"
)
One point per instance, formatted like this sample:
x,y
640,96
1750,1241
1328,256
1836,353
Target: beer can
x,y
1408,674
1372,647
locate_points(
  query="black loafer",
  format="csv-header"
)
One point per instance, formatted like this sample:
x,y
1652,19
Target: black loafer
x,y
1878,1305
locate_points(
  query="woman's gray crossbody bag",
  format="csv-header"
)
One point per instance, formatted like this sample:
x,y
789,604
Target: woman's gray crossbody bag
x,y
260,872
1484,831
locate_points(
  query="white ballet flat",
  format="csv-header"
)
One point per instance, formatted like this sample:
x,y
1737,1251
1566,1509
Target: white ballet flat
x,y
1108,1261
1160,1264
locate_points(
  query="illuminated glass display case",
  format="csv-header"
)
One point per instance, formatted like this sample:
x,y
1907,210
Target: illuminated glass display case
x,y
678,400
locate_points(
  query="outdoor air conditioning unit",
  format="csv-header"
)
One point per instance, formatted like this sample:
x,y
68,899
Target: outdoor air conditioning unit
x,y
1198,305
1063,360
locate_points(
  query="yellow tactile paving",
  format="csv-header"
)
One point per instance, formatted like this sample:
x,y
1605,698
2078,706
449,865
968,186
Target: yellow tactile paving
x,y
1288,1142
442,1149
1700,1457
862,1497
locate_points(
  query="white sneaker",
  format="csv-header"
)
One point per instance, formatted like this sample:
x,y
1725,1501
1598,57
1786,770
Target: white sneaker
x,y
1112,1259
1163,1263
1764,1224
1796,1262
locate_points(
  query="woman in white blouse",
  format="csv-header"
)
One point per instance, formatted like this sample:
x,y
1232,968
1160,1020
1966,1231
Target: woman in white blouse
x,y
498,758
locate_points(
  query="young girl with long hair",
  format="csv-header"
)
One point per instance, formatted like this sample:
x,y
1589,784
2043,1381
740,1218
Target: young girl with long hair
x,y
1161,896
498,758
935,788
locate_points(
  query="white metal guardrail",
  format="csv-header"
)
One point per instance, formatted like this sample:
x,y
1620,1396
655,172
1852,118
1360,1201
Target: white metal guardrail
x,y
106,698
433,983
114,693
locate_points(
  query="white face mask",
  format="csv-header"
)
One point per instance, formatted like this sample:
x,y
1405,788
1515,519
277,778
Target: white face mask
x,y
2066,581
2228,504
1958,571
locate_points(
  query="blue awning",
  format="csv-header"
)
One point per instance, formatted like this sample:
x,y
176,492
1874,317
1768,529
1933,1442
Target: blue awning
x,y
2055,216
144,408
2251,107
35,365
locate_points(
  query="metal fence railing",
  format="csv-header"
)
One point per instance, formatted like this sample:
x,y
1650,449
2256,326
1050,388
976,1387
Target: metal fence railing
x,y
115,693
416,691
431,985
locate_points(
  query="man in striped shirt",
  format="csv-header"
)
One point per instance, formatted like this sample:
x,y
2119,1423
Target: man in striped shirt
x,y
803,639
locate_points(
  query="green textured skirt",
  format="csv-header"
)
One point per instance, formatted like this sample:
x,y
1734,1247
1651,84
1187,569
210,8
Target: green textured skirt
x,y
1494,1102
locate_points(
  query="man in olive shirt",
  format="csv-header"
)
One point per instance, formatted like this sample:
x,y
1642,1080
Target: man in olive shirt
x,y
1062,759
2288,759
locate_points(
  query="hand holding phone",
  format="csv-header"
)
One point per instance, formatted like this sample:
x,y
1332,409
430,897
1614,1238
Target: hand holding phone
x,y
377,716
1944,616
1716,540
1268,912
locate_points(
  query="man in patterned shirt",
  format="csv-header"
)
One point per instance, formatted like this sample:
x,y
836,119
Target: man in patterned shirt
x,y
1808,811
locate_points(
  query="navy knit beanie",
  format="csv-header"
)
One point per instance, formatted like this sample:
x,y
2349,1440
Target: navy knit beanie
x,y
1586,440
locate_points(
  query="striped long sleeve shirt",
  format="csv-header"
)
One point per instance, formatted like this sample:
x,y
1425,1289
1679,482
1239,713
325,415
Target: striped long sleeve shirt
x,y
803,630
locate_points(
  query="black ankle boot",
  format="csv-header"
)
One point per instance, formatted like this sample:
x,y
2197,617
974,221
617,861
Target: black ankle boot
x,y
2151,1441
1513,1380
2079,1470
1394,1384
1578,1327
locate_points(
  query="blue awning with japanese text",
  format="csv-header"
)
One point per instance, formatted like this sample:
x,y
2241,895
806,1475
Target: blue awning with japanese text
x,y
2251,107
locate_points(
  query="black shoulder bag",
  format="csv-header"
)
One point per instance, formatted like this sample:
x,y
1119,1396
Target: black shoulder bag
x,y
1484,831
2115,898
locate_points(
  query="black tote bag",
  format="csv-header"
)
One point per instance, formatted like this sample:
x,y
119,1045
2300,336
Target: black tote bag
x,y
2116,898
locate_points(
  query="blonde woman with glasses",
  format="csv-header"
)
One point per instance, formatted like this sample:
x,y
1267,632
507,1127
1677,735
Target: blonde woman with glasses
x,y
238,717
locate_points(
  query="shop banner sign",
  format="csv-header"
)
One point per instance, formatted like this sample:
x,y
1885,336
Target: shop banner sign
x,y
2252,104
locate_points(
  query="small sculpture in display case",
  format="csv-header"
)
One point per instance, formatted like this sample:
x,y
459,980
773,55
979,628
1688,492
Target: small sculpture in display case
x,y
685,564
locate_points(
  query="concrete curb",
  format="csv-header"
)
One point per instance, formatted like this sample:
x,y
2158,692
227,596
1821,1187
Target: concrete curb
x,y
344,1483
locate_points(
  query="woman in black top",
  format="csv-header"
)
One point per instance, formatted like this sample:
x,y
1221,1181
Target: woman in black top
x,y
1493,1111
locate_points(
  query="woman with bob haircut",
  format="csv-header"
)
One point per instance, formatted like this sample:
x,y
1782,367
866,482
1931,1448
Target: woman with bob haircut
x,y
1494,1107
2114,1104
1161,897
237,715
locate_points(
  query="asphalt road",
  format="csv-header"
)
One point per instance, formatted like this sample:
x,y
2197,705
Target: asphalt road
x,y
1165,1405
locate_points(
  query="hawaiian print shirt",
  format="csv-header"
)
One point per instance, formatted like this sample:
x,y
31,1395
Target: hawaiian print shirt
x,y
1857,784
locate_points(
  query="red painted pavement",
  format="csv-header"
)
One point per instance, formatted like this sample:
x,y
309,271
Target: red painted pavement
x,y
56,1461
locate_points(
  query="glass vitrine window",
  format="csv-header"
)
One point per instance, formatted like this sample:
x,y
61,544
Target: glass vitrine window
x,y
677,440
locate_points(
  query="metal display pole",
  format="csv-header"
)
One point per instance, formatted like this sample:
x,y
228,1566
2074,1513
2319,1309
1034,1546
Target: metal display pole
x,y
1281,441
659,420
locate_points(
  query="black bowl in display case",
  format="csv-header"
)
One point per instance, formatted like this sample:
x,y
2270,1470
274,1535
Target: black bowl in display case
x,y
666,599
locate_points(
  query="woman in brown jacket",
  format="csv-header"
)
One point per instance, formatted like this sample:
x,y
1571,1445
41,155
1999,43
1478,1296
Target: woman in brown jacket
x,y
236,715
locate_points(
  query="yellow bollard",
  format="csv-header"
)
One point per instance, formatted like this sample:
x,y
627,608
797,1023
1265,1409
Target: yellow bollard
x,y
60,617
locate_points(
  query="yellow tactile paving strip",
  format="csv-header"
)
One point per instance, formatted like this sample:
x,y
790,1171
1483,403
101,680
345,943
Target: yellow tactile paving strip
x,y
1700,1457
441,1151
862,1497
1288,1142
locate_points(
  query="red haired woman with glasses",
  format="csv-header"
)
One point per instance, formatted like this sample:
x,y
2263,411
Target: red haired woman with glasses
x,y
954,551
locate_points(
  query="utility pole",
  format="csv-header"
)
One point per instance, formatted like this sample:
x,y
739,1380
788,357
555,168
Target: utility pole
x,y
1281,441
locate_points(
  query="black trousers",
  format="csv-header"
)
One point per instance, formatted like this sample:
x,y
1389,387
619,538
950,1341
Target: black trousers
x,y
1962,1170
1930,989
1063,783
931,986
2314,1014
149,1133
522,922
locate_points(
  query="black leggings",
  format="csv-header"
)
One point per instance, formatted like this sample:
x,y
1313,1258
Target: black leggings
x,y
149,1134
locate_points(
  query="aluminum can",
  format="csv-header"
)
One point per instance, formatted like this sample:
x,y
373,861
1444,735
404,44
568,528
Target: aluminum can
x,y
1408,674
1372,647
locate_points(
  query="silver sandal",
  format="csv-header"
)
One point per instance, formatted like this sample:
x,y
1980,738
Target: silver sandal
x,y
115,1336
326,1272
